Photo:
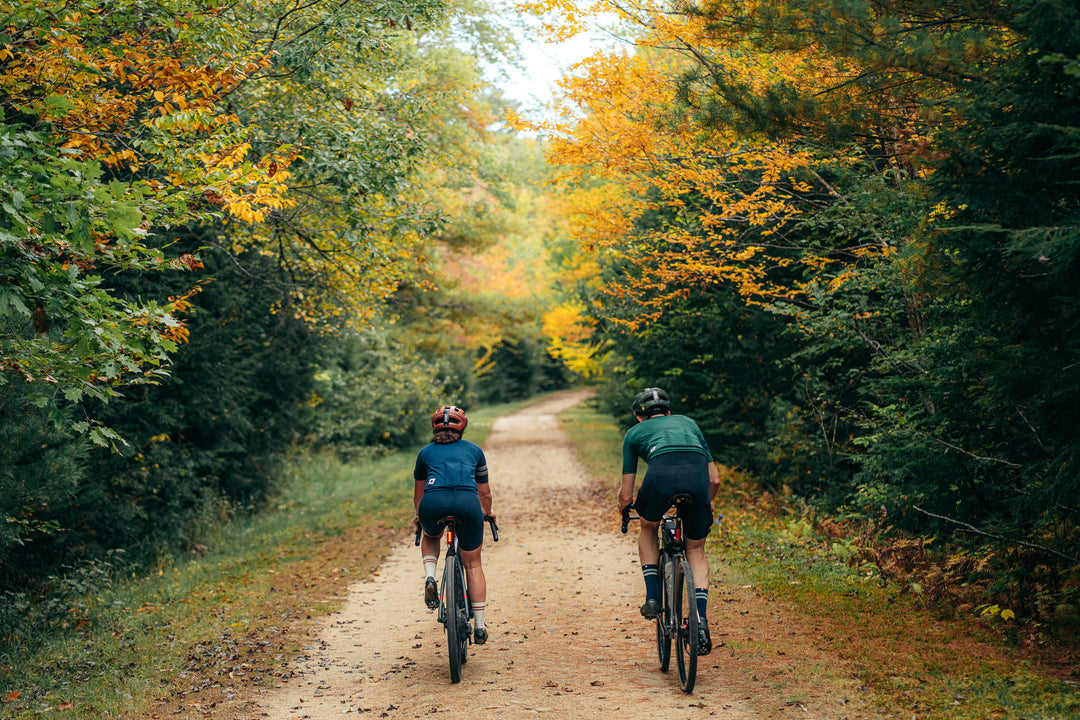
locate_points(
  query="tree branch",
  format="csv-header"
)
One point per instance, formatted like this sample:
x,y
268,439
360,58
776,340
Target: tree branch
x,y
977,531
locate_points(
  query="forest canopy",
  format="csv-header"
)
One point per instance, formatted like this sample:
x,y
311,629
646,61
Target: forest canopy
x,y
841,235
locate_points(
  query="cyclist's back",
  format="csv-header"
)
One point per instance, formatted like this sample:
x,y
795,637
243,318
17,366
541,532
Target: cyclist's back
x,y
459,465
679,462
663,434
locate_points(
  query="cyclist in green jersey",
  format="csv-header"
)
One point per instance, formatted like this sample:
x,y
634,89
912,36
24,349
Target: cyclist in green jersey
x,y
679,461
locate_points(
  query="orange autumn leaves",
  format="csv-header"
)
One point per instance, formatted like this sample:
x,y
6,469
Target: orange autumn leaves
x,y
142,97
719,205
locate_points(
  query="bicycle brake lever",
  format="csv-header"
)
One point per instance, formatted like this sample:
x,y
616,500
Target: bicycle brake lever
x,y
418,531
494,528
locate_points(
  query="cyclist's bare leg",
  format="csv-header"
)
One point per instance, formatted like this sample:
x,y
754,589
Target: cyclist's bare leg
x,y
647,543
430,546
699,563
429,554
474,574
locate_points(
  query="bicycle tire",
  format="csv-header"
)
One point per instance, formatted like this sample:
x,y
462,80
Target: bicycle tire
x,y
464,611
686,622
663,620
450,599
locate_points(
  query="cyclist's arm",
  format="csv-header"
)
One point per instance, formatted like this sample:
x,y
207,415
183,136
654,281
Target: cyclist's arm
x,y
714,481
626,490
419,473
418,493
484,490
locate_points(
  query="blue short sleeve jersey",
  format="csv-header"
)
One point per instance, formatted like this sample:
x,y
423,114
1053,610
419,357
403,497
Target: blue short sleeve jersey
x,y
660,435
453,466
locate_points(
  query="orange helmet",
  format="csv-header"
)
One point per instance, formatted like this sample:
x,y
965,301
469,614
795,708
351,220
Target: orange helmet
x,y
449,417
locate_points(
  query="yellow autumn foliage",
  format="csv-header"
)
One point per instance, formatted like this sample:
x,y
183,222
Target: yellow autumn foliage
x,y
617,130
570,331
138,100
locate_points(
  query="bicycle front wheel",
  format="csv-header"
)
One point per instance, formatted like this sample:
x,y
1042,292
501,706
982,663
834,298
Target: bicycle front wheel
x,y
686,625
663,620
451,599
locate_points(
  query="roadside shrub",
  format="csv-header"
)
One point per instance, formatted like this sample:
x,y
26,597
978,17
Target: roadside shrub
x,y
200,444
43,466
373,395
62,601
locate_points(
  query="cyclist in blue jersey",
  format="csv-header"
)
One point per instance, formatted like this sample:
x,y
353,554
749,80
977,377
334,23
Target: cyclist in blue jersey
x,y
679,462
451,478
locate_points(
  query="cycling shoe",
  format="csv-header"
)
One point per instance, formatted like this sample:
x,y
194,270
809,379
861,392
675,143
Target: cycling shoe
x,y
650,609
431,593
704,641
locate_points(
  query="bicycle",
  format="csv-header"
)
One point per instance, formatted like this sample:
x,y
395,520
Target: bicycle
x,y
678,618
454,593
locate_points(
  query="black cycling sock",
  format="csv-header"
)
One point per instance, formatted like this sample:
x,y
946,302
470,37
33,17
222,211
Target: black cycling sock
x,y
702,597
652,582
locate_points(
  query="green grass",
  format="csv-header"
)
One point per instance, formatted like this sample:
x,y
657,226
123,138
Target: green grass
x,y
916,662
598,442
192,615
143,630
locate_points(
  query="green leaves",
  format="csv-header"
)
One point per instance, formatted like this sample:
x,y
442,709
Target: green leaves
x,y
929,357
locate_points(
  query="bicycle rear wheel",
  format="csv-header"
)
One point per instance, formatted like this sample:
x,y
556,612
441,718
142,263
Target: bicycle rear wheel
x,y
686,625
451,593
663,620
463,614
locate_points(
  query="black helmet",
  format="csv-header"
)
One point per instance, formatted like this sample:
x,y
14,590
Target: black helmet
x,y
650,401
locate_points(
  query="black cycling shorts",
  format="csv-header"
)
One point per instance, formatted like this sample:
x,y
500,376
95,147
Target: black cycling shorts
x,y
462,504
673,473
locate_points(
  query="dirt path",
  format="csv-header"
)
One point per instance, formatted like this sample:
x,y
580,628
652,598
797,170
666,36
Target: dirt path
x,y
566,639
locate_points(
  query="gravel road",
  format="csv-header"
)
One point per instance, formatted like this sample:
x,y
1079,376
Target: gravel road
x,y
566,639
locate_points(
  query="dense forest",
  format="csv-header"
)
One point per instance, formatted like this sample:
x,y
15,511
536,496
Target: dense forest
x,y
840,233
234,232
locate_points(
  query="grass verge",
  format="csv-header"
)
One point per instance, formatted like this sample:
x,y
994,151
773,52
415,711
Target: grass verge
x,y
913,662
178,640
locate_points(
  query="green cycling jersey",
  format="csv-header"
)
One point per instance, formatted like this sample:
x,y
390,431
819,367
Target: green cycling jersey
x,y
661,435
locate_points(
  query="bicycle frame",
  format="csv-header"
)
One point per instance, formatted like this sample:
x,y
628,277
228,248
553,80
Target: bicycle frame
x,y
672,551
455,606
451,562
674,622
